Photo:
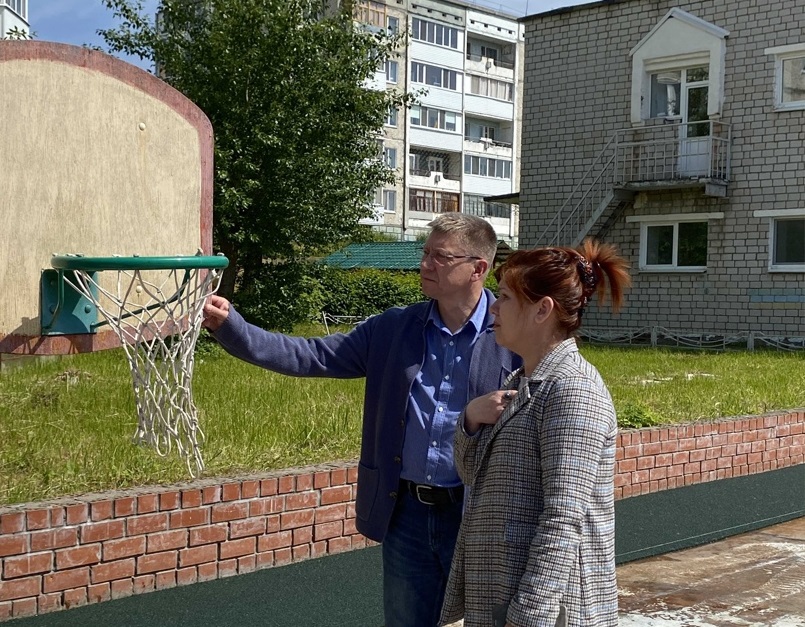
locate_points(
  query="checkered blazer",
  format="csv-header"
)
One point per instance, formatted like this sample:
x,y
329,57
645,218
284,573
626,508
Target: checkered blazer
x,y
539,526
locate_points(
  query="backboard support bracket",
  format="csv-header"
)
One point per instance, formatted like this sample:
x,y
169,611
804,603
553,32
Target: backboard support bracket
x,y
62,310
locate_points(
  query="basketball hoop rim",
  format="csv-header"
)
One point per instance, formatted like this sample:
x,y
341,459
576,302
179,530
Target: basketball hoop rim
x,y
99,264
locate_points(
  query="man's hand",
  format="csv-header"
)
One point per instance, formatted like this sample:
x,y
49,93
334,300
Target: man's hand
x,y
486,409
216,311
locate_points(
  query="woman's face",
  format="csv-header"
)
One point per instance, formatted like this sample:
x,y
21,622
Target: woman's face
x,y
514,320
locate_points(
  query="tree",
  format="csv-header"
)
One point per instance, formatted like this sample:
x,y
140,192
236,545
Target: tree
x,y
296,131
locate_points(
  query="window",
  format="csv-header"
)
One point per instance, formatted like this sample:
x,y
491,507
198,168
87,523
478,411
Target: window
x,y
391,71
430,201
484,166
390,157
475,205
18,6
389,200
434,76
434,118
667,87
673,245
370,12
434,33
476,131
393,25
492,88
391,118
789,79
786,239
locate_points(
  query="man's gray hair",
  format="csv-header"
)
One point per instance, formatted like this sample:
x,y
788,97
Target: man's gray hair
x,y
474,233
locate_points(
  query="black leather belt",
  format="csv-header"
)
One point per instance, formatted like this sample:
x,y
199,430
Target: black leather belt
x,y
432,495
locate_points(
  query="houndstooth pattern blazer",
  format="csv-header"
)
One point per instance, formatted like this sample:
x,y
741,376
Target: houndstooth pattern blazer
x,y
539,526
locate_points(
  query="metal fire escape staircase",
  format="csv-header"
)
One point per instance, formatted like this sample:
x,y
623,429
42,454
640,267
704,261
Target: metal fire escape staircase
x,y
662,157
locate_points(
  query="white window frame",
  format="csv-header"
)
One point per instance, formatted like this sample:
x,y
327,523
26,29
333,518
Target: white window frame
x,y
780,214
782,54
390,198
670,220
391,117
392,70
390,157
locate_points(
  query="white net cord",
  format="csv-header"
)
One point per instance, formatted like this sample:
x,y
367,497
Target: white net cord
x,y
158,322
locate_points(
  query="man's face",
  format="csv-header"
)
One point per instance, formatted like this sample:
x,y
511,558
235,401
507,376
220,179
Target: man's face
x,y
446,268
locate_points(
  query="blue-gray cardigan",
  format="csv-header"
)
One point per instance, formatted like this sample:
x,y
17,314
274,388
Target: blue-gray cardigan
x,y
387,349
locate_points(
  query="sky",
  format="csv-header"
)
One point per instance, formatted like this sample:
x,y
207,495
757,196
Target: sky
x,y
76,21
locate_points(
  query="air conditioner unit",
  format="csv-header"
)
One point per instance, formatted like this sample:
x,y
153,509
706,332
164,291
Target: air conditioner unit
x,y
437,178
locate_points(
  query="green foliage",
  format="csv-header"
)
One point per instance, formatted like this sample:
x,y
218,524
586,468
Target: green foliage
x,y
636,415
17,34
281,295
366,292
282,82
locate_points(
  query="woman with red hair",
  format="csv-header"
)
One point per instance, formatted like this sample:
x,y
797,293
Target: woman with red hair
x,y
537,542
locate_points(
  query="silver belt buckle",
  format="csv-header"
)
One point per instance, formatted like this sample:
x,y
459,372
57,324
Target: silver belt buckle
x,y
424,488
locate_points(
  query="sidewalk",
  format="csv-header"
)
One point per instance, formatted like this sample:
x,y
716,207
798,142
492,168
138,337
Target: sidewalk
x,y
754,579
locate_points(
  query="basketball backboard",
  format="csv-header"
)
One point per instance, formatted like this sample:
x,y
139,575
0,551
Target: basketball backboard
x,y
97,157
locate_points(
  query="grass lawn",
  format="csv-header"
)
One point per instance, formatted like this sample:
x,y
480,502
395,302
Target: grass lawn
x,y
66,424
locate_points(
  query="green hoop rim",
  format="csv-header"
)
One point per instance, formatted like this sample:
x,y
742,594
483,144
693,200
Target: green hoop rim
x,y
99,264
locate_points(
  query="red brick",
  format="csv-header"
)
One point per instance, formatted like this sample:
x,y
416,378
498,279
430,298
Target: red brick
x,y
76,514
207,572
169,501
230,492
126,506
338,494
125,547
49,602
147,503
227,568
63,580
247,564
272,524
75,597
321,480
6,610
54,539
264,560
143,583
98,593
301,552
167,540
13,522
198,555
329,530
282,556
191,498
24,607
25,565
150,523
339,477
275,541
106,530
229,511
101,510
285,485
190,517
13,545
249,489
156,562
37,519
302,535
330,513
297,519
111,571
237,548
318,549
301,500
186,576
57,516
211,494
248,527
208,535
269,487
349,527
122,588
166,580
304,482
78,556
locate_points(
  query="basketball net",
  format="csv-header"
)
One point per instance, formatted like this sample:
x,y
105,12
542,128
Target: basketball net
x,y
157,316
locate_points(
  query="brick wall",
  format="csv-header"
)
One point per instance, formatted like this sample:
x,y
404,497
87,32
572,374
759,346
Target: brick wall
x,y
578,83
71,552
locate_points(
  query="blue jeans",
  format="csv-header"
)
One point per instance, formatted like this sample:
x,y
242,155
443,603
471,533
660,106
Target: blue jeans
x,y
417,552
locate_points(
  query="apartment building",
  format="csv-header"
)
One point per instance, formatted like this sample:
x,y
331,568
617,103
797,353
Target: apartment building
x,y
673,129
458,148
13,16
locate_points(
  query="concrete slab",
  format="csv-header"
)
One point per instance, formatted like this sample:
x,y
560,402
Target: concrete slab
x,y
754,579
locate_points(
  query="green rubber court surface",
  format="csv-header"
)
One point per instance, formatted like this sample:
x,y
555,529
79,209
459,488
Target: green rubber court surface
x,y
343,590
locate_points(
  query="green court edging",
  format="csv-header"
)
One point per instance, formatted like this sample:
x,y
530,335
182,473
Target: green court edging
x,y
342,590
670,520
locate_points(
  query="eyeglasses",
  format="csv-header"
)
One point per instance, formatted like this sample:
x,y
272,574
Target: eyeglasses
x,y
442,259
